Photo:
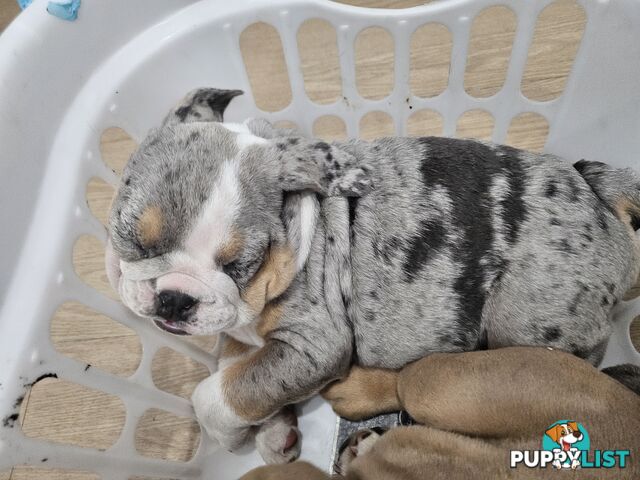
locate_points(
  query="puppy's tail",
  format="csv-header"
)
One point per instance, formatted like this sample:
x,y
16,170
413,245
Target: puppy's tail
x,y
618,188
627,374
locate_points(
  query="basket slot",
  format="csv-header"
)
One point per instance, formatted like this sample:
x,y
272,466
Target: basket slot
x,y
70,457
346,53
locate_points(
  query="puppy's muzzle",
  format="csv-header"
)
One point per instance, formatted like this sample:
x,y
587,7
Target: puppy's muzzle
x,y
175,306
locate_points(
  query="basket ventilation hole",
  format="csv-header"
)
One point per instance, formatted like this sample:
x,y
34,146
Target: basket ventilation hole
x,y
32,473
176,373
266,67
424,123
430,57
88,262
557,36
95,340
330,127
65,412
374,63
475,124
99,195
319,62
286,124
490,45
116,147
528,131
376,124
635,333
163,435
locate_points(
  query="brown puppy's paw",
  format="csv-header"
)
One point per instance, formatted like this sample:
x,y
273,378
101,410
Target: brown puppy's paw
x,y
278,440
365,392
355,446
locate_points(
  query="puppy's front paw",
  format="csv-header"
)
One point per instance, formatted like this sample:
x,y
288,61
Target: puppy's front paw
x,y
278,439
217,418
365,392
279,443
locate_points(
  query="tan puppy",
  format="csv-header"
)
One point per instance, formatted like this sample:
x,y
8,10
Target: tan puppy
x,y
474,408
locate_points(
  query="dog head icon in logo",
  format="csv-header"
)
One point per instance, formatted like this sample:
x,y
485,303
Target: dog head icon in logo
x,y
569,437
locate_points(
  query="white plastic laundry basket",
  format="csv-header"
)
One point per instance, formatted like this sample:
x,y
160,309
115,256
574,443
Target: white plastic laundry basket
x,y
125,62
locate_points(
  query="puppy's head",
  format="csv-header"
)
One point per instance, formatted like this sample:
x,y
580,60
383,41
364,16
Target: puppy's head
x,y
198,239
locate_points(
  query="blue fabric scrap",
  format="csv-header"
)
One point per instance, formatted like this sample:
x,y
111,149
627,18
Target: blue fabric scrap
x,y
64,9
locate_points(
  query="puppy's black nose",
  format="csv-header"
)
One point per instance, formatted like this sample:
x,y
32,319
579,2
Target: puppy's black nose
x,y
174,306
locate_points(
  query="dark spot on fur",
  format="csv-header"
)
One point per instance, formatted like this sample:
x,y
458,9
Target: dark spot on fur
x,y
324,146
610,287
554,221
601,218
330,176
18,401
294,141
577,298
328,157
551,189
44,460
605,301
127,181
373,294
513,208
10,420
587,237
197,114
281,146
552,334
353,210
423,246
193,136
483,341
331,239
182,112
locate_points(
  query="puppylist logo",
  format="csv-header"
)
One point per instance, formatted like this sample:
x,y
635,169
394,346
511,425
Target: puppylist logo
x,y
566,444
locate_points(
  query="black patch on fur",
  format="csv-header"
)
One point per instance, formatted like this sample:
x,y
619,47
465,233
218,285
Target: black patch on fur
x,y
447,163
605,301
554,221
324,146
582,290
552,334
353,210
331,239
373,294
551,189
601,218
328,157
423,246
627,374
635,221
514,210
610,287
483,341
18,401
294,141
182,112
10,420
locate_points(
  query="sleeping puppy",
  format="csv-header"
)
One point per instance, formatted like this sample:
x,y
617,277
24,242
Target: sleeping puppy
x,y
312,256
473,409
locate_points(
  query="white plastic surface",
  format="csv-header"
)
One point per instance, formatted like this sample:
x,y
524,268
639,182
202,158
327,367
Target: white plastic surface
x,y
125,62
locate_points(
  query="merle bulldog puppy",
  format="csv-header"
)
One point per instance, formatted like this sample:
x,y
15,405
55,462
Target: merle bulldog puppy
x,y
312,257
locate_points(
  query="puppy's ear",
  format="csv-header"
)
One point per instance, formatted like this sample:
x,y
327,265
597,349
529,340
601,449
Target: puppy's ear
x,y
574,426
321,167
554,432
201,105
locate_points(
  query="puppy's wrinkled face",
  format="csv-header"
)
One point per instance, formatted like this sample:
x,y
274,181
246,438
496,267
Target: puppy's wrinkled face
x,y
191,226
213,220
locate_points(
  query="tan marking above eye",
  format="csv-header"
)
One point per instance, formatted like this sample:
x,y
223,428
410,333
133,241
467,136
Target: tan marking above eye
x,y
231,248
150,225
